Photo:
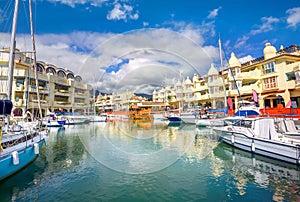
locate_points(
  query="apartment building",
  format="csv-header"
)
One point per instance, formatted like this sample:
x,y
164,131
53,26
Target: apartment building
x,y
59,89
274,77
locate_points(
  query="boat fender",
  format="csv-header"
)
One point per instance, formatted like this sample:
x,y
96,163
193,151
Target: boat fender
x,y
232,139
36,148
252,146
15,157
233,158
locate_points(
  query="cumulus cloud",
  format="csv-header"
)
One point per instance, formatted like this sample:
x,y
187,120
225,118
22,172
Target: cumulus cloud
x,y
122,12
152,56
267,25
245,59
293,18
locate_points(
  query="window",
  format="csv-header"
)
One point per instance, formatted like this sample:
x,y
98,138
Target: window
x,y
297,74
210,79
239,84
39,68
61,74
50,70
269,67
290,76
270,82
211,90
217,90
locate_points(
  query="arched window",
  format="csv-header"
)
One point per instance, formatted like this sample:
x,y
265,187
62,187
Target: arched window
x,y
78,78
39,68
50,70
70,76
61,73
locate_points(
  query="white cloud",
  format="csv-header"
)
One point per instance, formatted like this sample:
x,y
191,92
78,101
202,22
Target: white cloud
x,y
213,14
192,31
73,3
293,18
267,25
245,59
241,42
153,55
122,12
145,24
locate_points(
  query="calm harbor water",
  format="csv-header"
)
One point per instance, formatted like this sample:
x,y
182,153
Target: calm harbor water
x,y
148,161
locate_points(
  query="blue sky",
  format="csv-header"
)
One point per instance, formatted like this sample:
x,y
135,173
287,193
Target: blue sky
x,y
142,45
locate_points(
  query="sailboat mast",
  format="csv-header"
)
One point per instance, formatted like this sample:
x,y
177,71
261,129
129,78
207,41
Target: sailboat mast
x,y
12,51
34,60
221,60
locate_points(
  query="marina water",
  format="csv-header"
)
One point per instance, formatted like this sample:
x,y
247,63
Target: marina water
x,y
148,161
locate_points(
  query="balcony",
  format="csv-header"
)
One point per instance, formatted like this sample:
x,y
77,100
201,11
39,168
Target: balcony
x,y
80,95
251,75
3,71
217,95
201,97
247,89
62,104
20,72
80,104
34,102
18,102
19,87
43,90
62,92
291,84
201,88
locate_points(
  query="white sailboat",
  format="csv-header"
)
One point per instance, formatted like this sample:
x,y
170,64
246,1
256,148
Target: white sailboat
x,y
19,145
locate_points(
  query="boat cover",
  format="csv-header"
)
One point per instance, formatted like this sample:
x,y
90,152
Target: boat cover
x,y
5,107
265,128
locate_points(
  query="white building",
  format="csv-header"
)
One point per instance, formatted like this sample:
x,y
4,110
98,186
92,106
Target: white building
x,y
60,89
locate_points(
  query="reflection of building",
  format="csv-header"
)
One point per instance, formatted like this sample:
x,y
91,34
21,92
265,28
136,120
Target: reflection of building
x,y
118,101
275,77
59,89
263,171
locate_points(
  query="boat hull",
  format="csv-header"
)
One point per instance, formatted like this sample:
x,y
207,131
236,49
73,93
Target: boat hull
x,y
25,157
188,119
273,149
209,122
56,123
175,119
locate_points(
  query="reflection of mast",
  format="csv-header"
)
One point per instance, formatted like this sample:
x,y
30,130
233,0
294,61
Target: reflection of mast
x,y
34,61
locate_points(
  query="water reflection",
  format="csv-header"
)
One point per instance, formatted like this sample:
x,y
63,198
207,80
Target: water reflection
x,y
196,167
143,147
246,168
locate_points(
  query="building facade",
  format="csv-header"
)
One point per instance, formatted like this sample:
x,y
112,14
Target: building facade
x,y
274,77
59,89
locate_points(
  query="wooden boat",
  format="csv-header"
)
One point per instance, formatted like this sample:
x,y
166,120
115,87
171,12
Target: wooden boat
x,y
139,113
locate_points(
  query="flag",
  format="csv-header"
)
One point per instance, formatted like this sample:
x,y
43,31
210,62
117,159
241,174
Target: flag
x,y
229,102
254,95
289,104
